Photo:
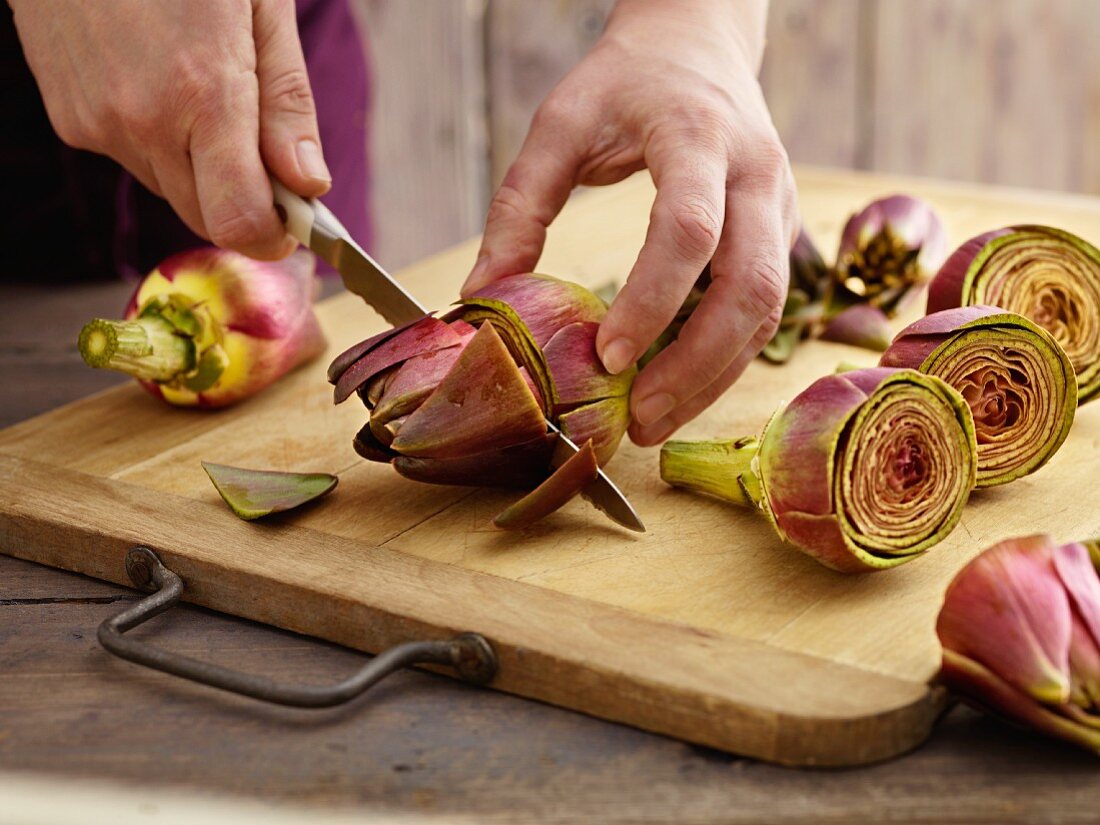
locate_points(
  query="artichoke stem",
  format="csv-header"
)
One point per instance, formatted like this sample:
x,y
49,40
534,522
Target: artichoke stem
x,y
147,348
723,469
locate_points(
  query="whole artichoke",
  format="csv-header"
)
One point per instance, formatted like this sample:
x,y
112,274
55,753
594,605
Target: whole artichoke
x,y
862,471
464,398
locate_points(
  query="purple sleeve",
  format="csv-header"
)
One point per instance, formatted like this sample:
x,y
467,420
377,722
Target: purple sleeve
x,y
337,69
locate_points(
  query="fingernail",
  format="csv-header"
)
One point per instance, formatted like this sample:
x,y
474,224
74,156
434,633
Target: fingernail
x,y
312,162
652,409
618,355
476,276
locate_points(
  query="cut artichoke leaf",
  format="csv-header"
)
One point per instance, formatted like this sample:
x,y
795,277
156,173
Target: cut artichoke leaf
x,y
525,352
212,363
539,304
413,382
483,393
345,359
426,335
568,480
367,445
520,466
252,494
603,423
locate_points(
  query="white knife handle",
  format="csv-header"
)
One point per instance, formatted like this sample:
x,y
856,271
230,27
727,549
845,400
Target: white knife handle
x,y
297,213
301,215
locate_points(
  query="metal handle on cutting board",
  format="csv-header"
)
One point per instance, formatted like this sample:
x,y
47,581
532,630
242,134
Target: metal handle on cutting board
x,y
469,653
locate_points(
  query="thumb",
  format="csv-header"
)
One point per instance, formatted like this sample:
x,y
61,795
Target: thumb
x,y
531,195
289,140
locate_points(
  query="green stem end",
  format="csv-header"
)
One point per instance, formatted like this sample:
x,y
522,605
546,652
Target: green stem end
x,y
148,348
724,469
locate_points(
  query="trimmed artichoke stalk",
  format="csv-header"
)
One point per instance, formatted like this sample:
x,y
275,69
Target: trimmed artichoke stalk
x,y
887,252
862,471
1018,382
463,399
209,327
1020,629
1047,275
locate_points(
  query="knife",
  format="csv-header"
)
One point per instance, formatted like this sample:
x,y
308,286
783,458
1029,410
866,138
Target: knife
x,y
315,227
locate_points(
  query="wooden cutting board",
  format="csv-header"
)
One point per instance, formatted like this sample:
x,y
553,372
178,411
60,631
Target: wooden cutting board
x,y
705,628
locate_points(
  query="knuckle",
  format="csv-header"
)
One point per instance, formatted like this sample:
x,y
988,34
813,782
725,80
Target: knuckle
x,y
766,292
291,92
197,90
554,113
772,156
704,124
136,116
767,165
508,202
694,226
235,228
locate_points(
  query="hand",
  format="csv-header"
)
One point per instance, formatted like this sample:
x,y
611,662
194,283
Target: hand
x,y
192,98
670,87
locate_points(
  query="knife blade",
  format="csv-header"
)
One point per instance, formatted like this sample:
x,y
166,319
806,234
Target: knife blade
x,y
314,226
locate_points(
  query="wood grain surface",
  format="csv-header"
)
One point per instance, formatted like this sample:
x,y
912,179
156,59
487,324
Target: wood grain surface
x,y
421,742
749,646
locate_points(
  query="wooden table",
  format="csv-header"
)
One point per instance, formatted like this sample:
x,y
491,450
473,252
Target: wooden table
x,y
418,742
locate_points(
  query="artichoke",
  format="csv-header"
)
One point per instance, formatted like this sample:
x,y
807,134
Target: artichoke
x,y
1018,382
862,471
1047,275
464,399
1020,629
887,251
209,327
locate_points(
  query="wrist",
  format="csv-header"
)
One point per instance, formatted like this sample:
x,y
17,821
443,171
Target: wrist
x,y
740,23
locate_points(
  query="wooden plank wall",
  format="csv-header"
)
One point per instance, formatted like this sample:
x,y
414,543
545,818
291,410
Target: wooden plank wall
x,y
1001,91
